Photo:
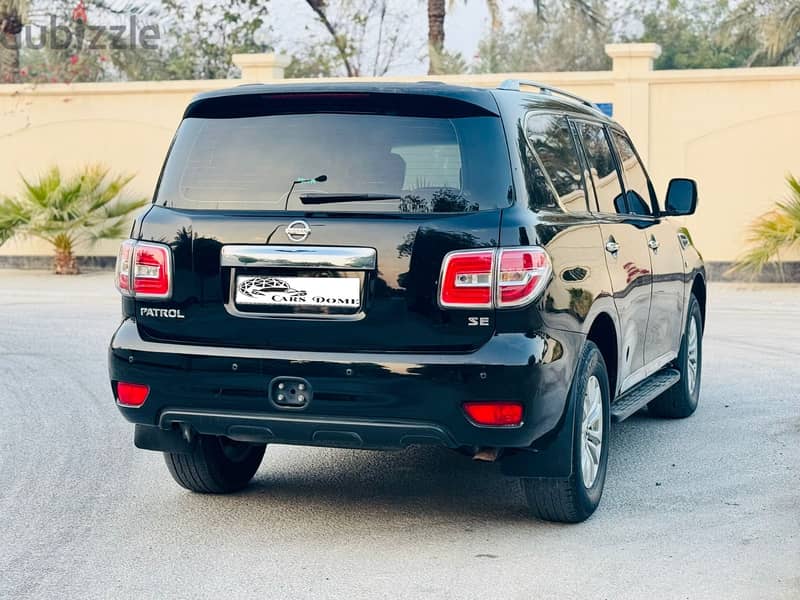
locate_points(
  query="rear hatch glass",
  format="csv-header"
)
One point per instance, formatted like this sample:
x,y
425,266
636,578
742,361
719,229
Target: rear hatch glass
x,y
420,164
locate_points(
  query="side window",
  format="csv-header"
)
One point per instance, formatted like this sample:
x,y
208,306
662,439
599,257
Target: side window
x,y
606,181
552,141
639,194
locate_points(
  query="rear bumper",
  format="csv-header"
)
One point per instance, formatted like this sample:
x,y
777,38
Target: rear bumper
x,y
362,400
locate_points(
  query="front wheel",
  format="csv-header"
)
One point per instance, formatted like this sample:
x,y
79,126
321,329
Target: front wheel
x,y
574,499
680,401
215,465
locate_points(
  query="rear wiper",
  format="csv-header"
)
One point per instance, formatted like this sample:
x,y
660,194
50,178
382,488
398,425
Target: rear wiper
x,y
333,198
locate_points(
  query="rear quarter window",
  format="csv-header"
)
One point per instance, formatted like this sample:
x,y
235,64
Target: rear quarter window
x,y
555,154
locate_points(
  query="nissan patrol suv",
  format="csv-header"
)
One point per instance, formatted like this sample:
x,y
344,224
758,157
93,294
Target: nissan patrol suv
x,y
384,265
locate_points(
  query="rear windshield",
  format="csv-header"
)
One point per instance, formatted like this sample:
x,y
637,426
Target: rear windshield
x,y
427,164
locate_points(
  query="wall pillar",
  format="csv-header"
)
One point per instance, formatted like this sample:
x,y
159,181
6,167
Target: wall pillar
x,y
632,66
257,68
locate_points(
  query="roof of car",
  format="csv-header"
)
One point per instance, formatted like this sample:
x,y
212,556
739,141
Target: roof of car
x,y
479,96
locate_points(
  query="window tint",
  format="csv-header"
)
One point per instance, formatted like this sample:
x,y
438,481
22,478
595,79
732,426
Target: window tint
x,y
638,187
431,164
554,146
601,164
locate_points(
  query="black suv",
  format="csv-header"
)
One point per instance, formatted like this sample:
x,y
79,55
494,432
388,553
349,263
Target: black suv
x,y
382,265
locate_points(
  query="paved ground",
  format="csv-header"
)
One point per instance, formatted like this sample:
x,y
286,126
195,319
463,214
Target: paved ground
x,y
708,507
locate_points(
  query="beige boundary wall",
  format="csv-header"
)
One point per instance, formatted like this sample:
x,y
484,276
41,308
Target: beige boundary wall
x,y
737,131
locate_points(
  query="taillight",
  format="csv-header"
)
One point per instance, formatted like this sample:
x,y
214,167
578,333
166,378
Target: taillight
x,y
494,414
466,280
521,275
144,270
501,278
132,394
123,268
152,273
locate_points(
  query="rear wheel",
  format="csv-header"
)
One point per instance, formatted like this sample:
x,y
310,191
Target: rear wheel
x,y
216,465
574,499
680,401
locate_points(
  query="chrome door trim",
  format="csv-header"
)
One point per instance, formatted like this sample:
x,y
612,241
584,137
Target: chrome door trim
x,y
305,257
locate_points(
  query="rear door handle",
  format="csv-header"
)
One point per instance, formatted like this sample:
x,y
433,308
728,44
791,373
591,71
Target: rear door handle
x,y
653,243
612,247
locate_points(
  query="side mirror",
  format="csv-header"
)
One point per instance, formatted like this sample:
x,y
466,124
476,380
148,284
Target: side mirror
x,y
681,197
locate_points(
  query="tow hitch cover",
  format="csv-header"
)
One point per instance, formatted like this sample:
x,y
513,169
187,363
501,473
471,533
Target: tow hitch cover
x,y
290,392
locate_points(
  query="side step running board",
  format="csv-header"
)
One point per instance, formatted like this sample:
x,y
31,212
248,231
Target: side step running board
x,y
642,393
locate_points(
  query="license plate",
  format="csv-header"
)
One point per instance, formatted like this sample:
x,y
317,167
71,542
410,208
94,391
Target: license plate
x,y
298,291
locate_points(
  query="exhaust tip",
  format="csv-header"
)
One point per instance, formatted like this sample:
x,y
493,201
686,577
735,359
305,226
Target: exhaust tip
x,y
487,454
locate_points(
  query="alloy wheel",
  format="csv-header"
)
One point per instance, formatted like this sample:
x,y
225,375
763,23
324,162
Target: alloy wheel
x,y
591,431
691,356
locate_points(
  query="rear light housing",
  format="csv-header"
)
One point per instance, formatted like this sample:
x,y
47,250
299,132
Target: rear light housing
x,y
494,414
132,395
522,275
466,279
123,268
493,278
144,270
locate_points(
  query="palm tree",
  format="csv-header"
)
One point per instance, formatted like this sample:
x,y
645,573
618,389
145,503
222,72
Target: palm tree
x,y
437,12
772,233
12,17
70,212
771,26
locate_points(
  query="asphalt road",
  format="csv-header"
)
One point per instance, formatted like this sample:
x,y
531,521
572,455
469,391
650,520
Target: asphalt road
x,y
707,507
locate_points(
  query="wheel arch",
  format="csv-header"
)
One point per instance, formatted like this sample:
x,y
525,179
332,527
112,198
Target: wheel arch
x,y
603,333
699,291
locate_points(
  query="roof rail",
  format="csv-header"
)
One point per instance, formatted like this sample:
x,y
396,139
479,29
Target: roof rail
x,y
515,84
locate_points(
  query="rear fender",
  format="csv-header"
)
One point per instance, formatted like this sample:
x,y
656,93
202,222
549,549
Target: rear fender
x,y
550,456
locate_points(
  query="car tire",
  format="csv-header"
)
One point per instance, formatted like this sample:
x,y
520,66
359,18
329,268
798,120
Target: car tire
x,y
680,401
574,499
215,465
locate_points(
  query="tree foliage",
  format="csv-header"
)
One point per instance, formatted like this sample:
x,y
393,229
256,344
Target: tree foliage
x,y
770,27
566,37
694,34
689,34
375,37
201,37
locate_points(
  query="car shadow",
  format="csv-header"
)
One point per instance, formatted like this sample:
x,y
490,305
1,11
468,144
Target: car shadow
x,y
421,484
433,480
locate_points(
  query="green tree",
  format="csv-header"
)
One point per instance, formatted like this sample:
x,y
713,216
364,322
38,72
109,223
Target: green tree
x,y
567,37
689,34
70,212
202,36
771,28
